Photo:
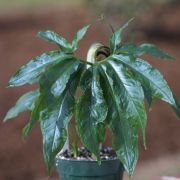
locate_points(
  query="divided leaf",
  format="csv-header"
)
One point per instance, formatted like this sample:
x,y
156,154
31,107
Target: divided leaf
x,y
150,78
60,71
123,126
29,73
132,95
113,95
55,38
153,50
89,120
25,102
116,37
54,118
78,36
146,48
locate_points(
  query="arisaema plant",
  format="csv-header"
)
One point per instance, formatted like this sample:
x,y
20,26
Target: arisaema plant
x,y
114,80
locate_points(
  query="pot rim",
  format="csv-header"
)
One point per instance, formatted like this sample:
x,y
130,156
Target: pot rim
x,y
86,160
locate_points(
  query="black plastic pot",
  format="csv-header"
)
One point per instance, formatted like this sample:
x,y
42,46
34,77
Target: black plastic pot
x,y
89,170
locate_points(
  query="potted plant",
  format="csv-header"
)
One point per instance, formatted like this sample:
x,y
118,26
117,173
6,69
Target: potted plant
x,y
113,81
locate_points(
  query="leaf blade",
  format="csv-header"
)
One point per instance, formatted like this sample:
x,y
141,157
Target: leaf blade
x,y
30,72
132,96
150,78
34,116
46,83
54,119
153,50
145,48
124,140
60,84
78,36
116,38
88,119
24,103
55,38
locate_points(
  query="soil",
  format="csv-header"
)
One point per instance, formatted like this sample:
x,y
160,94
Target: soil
x,y
21,159
106,153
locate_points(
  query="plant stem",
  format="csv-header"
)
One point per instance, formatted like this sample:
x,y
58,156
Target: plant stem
x,y
66,145
74,139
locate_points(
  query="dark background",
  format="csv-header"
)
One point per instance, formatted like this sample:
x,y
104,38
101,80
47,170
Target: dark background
x,y
155,21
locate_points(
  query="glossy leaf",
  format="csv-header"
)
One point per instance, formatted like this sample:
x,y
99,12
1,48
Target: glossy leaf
x,y
132,95
55,73
35,114
123,127
144,49
78,36
30,72
93,113
46,83
153,50
25,102
64,75
54,119
116,37
55,38
112,97
151,79
128,49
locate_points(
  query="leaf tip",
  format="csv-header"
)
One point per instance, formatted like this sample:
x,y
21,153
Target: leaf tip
x,y
26,131
172,58
87,26
39,34
5,119
10,84
132,19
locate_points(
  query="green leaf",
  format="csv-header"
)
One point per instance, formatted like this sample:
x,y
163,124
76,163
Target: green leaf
x,y
64,75
176,107
143,49
35,115
26,102
47,81
116,37
126,144
93,113
124,129
150,78
153,50
30,72
128,49
54,119
57,73
78,36
54,38
132,95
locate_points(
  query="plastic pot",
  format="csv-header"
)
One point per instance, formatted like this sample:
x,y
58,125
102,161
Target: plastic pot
x,y
89,170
